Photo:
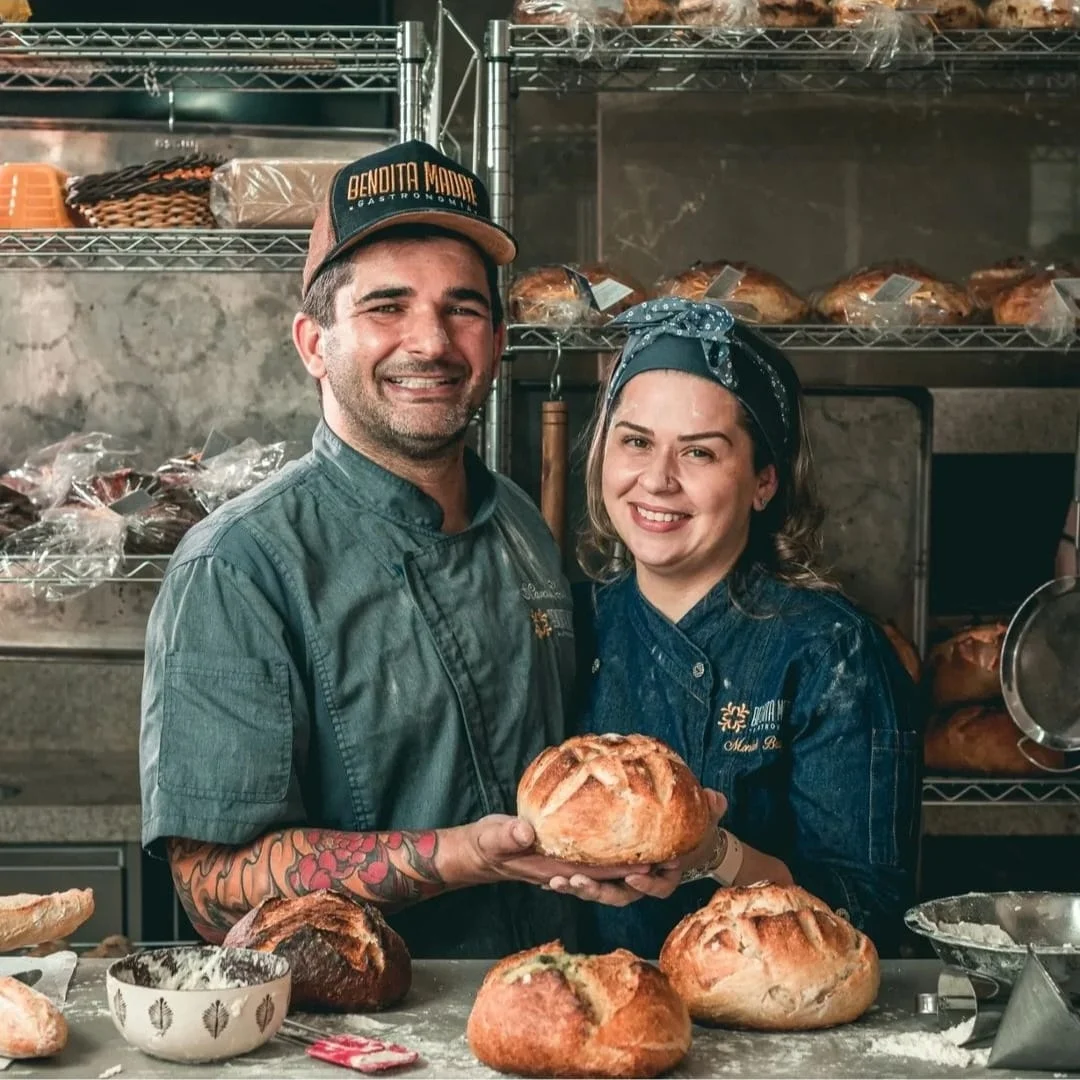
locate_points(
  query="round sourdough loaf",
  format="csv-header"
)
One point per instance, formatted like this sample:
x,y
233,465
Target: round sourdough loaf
x,y
967,667
773,958
609,800
547,1012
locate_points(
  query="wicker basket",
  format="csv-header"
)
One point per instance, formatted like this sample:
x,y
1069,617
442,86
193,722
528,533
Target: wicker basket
x,y
173,194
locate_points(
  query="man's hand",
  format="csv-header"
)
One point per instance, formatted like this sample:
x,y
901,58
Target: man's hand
x,y
501,848
660,882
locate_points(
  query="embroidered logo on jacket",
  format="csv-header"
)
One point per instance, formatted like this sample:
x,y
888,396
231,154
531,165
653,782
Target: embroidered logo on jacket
x,y
753,729
548,621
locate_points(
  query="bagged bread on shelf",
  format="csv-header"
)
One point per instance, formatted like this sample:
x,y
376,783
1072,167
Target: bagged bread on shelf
x,y
580,14
983,740
771,958
890,296
750,294
270,193
610,800
966,667
985,284
343,955
937,14
732,14
16,511
568,295
1047,301
48,475
547,1012
1033,14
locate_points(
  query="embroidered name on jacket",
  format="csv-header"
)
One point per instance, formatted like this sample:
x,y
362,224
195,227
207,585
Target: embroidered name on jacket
x,y
555,621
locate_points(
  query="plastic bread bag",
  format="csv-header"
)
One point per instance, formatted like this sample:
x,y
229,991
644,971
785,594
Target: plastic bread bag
x,y
68,552
1033,14
886,37
233,471
565,295
47,476
16,511
885,299
719,14
584,17
272,193
1057,313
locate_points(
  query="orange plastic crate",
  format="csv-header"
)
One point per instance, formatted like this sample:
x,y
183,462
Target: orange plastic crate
x,y
32,197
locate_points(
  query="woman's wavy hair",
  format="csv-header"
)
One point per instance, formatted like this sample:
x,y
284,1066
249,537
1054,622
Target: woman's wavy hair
x,y
785,537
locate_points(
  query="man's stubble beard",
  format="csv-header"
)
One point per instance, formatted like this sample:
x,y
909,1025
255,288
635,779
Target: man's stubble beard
x,y
371,420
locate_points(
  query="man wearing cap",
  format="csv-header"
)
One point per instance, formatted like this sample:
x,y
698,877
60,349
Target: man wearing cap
x,y
349,667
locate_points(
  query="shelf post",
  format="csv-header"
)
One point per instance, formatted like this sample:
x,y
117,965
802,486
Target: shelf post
x,y
410,80
499,165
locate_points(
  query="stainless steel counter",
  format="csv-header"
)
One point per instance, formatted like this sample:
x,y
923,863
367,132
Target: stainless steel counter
x,y
432,1020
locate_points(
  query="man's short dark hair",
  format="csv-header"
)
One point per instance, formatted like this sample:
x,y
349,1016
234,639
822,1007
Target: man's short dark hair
x,y
321,297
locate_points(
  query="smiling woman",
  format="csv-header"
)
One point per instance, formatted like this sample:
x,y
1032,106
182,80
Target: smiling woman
x,y
716,631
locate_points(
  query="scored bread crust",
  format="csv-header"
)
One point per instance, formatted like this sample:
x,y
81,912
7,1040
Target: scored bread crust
x,y
343,954
771,958
1031,14
610,800
29,919
1025,301
546,1012
31,1026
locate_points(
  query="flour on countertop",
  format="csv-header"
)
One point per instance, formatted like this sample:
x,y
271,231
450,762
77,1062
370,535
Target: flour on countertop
x,y
979,933
936,1047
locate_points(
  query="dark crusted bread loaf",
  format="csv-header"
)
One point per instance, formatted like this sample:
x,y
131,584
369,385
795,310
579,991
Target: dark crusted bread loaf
x,y
344,957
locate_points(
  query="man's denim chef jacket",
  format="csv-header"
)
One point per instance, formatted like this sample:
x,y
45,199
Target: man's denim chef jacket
x,y
321,654
804,719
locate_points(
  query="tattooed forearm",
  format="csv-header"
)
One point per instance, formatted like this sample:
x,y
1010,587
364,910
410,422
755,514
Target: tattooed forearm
x,y
218,883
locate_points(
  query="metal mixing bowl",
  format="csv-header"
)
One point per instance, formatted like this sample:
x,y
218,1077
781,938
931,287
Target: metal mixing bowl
x,y
1049,922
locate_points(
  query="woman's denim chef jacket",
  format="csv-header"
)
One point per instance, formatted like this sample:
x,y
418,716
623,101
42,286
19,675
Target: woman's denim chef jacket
x,y
320,653
805,721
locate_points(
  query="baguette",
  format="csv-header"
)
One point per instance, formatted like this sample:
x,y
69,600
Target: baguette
x,y
27,919
31,1025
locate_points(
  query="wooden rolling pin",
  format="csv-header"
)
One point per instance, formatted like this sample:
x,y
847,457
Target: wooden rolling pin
x,y
553,431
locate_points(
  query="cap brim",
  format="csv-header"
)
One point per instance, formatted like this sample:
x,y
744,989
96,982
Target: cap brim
x,y
491,239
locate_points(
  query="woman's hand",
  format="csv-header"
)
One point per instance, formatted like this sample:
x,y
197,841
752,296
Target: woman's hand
x,y
660,882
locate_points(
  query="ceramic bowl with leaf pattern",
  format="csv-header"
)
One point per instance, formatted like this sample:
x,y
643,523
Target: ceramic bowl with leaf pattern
x,y
198,1003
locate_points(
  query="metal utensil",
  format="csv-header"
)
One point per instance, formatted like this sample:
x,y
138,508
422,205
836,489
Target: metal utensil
x,y
1039,1029
1048,922
356,1052
1040,657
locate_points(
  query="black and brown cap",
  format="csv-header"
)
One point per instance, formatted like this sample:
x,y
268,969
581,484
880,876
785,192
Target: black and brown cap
x,y
404,184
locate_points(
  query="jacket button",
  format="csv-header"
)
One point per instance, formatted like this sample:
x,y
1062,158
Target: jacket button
x,y
596,665
698,670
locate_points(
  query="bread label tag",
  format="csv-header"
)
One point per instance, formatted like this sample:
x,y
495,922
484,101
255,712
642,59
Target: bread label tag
x,y
1068,291
216,443
896,289
582,286
132,502
609,292
724,284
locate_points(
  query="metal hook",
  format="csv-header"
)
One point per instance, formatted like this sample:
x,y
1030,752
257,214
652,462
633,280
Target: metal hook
x,y
555,382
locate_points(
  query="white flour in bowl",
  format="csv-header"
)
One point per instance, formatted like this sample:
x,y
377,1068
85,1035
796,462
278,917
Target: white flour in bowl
x,y
979,933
